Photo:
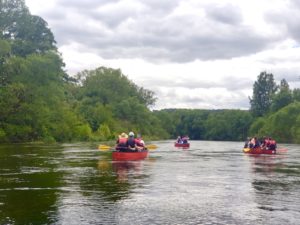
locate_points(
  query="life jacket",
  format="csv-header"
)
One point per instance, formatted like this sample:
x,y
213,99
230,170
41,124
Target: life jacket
x,y
122,141
267,142
138,142
272,142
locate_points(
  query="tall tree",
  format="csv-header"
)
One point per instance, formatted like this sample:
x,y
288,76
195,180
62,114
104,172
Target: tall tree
x,y
27,33
263,91
283,97
296,94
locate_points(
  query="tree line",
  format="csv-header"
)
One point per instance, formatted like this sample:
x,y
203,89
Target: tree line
x,y
274,111
39,101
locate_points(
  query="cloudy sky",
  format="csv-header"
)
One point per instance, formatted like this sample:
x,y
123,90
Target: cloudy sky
x,y
191,53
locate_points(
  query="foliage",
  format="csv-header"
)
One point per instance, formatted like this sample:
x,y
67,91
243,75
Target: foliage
x,y
206,124
283,97
40,102
282,125
104,132
28,34
296,94
263,91
106,96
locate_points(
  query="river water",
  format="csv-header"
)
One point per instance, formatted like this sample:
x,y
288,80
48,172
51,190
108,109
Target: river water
x,y
208,183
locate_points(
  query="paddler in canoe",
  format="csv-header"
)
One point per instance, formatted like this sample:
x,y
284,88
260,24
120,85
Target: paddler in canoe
x,y
129,143
266,146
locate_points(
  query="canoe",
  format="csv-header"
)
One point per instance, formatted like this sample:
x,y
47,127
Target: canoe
x,y
129,155
183,145
259,150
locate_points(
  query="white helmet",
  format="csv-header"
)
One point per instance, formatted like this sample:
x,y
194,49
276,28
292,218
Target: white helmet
x,y
131,134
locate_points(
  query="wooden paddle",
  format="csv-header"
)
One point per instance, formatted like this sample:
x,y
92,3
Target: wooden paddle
x,y
106,147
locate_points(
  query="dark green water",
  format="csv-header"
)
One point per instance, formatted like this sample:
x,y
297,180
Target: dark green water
x,y
209,183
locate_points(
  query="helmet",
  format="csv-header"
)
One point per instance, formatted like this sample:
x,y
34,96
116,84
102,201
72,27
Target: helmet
x,y
131,134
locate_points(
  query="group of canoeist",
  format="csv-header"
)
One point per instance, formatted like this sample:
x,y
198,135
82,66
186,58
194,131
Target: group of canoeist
x,y
266,143
182,140
130,143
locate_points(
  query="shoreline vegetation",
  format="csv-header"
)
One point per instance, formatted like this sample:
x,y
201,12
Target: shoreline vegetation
x,y
40,102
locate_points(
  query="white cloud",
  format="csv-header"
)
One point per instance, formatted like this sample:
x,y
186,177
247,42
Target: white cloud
x,y
194,54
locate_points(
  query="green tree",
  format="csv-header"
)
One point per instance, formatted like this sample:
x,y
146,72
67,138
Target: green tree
x,y
27,33
296,94
263,90
283,97
103,132
282,125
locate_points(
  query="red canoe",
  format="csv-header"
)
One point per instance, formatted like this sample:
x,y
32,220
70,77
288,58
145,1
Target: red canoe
x,y
259,150
183,145
129,156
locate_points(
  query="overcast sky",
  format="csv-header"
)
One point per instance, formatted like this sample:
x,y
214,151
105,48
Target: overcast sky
x,y
192,53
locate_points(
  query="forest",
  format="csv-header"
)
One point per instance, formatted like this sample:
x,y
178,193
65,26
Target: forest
x,y
40,101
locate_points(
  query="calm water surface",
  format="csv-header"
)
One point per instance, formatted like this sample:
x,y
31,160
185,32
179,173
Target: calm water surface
x,y
209,183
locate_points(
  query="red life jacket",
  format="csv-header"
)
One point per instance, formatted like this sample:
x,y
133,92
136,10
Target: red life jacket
x,y
272,142
122,140
138,142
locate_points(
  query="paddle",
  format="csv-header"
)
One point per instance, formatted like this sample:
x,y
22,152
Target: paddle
x,y
106,147
151,147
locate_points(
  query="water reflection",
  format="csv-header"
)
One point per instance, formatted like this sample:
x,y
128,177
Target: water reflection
x,y
273,186
266,163
211,183
29,184
127,169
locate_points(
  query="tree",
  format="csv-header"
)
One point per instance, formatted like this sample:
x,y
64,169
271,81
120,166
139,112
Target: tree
x,y
296,94
27,33
263,91
283,97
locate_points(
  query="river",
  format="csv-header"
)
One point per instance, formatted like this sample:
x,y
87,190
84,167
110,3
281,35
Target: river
x,y
208,183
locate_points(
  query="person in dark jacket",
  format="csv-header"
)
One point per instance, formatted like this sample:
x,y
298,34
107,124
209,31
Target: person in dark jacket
x,y
131,142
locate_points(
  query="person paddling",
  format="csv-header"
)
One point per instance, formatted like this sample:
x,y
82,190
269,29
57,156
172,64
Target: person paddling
x,y
131,142
140,144
122,142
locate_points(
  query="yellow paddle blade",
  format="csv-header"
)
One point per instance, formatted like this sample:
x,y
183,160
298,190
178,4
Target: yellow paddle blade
x,y
151,147
104,147
246,149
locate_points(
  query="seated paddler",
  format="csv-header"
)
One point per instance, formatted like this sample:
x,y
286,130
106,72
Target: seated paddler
x,y
122,142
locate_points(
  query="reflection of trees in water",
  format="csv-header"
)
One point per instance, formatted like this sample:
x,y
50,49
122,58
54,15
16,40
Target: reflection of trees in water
x,y
29,182
276,185
126,170
266,163
111,181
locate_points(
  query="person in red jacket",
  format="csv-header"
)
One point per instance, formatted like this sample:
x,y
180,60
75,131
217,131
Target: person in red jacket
x,y
140,144
122,142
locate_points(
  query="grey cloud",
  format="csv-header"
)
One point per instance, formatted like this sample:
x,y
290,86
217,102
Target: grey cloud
x,y
153,32
229,83
228,14
287,20
291,75
84,4
174,99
